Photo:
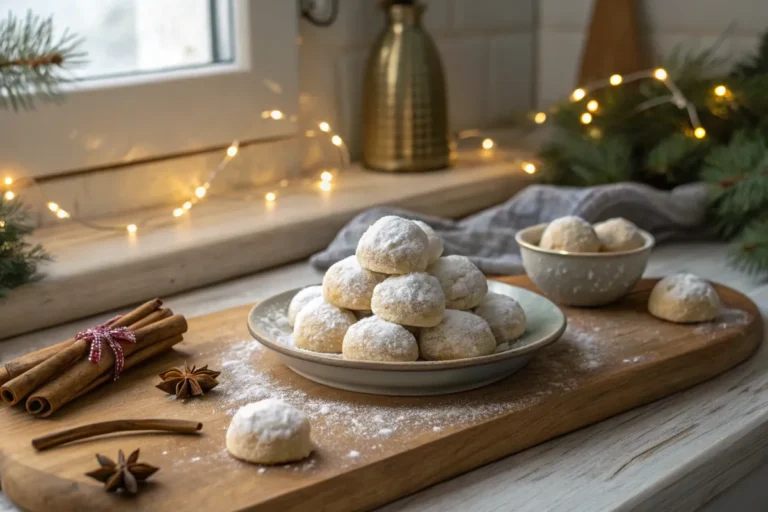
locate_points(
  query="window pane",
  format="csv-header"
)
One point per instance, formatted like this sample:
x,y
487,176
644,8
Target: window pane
x,y
139,36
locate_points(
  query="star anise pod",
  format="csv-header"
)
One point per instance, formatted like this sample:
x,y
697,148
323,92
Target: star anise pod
x,y
125,474
185,382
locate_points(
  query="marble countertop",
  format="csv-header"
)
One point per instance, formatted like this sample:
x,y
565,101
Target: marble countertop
x,y
678,453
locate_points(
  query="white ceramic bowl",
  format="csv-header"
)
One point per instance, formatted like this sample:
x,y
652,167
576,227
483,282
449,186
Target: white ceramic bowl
x,y
582,278
545,324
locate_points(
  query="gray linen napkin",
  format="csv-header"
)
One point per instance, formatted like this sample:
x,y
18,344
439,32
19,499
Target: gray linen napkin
x,y
488,237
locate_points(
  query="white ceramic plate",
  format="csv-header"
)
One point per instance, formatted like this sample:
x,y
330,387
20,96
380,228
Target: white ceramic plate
x,y
268,323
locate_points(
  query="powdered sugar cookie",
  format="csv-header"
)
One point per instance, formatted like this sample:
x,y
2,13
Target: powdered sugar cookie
x,y
301,299
463,284
435,248
348,285
415,300
684,298
321,327
617,235
269,432
572,234
375,339
458,336
504,315
393,245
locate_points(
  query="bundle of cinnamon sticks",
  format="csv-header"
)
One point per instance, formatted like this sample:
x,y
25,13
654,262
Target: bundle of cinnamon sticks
x,y
51,377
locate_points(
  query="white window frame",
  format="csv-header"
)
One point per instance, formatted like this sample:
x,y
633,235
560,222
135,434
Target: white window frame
x,y
134,118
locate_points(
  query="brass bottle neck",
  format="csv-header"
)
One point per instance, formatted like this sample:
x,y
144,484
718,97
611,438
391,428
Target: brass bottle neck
x,y
406,14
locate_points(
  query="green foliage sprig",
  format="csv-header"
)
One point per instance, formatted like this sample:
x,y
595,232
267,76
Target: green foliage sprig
x,y
34,62
19,260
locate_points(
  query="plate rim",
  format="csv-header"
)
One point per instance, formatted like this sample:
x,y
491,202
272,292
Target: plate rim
x,y
453,364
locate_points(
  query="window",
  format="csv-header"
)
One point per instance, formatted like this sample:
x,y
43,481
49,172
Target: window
x,y
162,77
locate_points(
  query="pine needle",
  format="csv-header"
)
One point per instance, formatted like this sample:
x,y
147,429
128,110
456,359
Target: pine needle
x,y
34,63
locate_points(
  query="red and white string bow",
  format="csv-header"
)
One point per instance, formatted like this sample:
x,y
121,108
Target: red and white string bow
x,y
112,336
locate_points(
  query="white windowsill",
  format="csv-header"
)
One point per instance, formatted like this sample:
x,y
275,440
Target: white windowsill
x,y
224,238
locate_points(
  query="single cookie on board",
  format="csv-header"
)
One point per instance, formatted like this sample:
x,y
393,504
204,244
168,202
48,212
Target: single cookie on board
x,y
505,316
458,336
572,234
463,284
617,235
321,327
393,245
301,299
375,339
348,285
684,298
435,248
269,432
415,300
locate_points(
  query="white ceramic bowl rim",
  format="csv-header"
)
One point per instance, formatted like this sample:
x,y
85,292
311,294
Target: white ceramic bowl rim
x,y
519,238
406,366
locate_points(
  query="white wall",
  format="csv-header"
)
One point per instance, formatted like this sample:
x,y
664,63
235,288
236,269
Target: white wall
x,y
562,27
486,47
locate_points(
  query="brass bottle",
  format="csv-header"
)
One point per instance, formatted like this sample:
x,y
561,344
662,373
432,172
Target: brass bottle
x,y
405,109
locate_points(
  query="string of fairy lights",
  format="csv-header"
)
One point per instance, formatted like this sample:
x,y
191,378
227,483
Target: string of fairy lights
x,y
675,97
323,182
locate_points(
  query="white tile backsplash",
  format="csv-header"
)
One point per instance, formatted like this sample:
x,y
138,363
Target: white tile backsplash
x,y
473,15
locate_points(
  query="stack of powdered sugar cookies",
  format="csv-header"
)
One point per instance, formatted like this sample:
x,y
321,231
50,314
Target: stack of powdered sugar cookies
x,y
398,300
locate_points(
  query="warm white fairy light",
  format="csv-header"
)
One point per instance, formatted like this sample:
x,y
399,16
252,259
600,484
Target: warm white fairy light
x,y
325,186
578,94
586,118
62,214
178,212
231,151
592,106
529,167
540,118
326,176
187,206
276,115
487,144
324,127
595,132
721,90
615,80
2,223
8,180
270,196
660,74
200,192
53,207
699,133
132,228
9,195
336,140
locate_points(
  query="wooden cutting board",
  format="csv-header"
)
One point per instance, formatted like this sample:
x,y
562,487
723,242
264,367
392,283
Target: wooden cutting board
x,y
370,449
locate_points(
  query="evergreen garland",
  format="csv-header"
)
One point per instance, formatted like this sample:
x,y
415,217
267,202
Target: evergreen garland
x,y
626,141
19,259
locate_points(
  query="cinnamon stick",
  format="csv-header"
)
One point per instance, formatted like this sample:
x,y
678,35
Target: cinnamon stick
x,y
110,427
18,388
66,386
16,367
43,407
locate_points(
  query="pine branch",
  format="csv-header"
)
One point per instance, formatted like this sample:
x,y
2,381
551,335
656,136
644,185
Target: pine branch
x,y
750,252
33,61
19,260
